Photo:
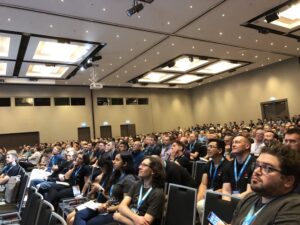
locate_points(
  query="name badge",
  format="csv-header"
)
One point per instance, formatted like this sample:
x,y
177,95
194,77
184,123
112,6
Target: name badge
x,y
236,192
134,210
76,190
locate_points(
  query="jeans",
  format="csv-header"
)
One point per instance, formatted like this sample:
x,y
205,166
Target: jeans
x,y
91,217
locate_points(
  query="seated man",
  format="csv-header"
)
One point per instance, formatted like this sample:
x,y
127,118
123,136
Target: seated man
x,y
145,201
11,168
276,174
177,153
212,178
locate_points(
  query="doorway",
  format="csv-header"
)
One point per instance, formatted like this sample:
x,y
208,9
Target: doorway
x,y
275,110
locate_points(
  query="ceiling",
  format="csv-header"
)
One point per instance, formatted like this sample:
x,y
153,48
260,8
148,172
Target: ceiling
x,y
162,31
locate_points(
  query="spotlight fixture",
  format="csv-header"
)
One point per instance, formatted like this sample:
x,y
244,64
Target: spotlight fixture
x,y
96,58
137,7
87,65
146,1
272,17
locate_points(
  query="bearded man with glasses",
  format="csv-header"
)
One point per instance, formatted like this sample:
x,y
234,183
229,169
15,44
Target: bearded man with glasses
x,y
273,201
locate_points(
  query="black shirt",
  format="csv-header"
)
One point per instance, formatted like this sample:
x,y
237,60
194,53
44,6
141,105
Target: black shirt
x,y
229,177
209,169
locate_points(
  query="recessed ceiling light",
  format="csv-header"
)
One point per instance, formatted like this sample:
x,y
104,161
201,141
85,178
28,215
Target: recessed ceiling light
x,y
227,53
51,26
223,15
104,9
256,40
110,64
262,65
117,36
131,49
218,67
185,63
193,47
185,79
155,77
242,54
191,6
8,19
125,71
289,17
145,39
81,68
86,31
120,57
173,44
117,76
139,17
157,53
220,33
211,50
198,28
168,22
4,46
41,70
62,0
3,68
145,60
279,60
239,37
256,56
298,49
62,52
272,43
102,70
134,66
285,46
268,58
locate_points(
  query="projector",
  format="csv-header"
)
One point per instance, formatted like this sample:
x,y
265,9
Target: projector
x,y
96,86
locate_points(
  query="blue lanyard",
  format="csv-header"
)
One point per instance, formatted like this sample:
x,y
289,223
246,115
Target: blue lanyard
x,y
76,173
251,215
192,146
215,171
141,197
9,169
238,176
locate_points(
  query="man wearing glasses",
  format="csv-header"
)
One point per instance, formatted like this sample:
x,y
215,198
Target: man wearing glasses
x,y
276,175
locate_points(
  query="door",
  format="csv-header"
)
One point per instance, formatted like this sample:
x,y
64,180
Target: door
x,y
275,110
105,131
128,130
84,134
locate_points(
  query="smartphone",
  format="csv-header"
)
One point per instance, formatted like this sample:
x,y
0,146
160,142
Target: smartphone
x,y
214,219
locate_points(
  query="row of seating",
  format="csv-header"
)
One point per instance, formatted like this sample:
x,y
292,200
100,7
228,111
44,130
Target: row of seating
x,y
36,210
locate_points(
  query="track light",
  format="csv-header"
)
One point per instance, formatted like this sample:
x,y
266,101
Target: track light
x,y
272,17
96,58
87,65
135,9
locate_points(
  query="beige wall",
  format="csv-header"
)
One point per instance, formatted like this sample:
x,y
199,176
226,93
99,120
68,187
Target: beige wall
x,y
167,109
54,123
238,98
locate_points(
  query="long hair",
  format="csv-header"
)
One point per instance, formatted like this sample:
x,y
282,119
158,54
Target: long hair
x,y
159,175
107,168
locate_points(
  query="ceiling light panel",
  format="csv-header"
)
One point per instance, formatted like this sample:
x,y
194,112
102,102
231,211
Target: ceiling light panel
x,y
185,63
9,45
289,17
49,50
6,68
219,67
155,77
185,79
45,71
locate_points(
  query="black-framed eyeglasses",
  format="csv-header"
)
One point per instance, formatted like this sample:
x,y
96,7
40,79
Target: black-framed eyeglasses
x,y
265,168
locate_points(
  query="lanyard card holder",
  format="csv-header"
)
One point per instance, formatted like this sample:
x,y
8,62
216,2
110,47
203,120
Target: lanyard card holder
x,y
76,190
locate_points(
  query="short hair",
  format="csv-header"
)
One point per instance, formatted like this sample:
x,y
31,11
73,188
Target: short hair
x,y
159,175
220,143
13,153
289,160
125,144
293,131
181,144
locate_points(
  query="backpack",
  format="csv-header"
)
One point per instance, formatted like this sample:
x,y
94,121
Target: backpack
x,y
11,189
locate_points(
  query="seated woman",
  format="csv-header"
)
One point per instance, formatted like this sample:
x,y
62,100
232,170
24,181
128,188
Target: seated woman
x,y
77,181
100,186
144,203
120,183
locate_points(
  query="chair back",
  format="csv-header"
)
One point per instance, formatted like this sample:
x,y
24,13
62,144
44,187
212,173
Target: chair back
x,y
56,219
181,205
198,172
222,208
22,191
44,214
30,213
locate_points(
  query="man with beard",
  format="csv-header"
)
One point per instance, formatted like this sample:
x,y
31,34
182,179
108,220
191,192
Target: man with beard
x,y
276,174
